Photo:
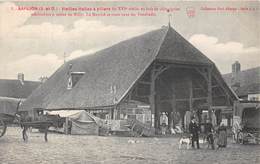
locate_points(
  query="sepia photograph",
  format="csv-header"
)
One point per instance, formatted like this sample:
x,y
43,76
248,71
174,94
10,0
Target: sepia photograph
x,y
129,82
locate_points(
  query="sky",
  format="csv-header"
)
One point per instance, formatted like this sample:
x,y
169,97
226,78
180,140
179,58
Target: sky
x,y
36,45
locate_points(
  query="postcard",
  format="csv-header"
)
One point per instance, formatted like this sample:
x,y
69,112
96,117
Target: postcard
x,y
129,82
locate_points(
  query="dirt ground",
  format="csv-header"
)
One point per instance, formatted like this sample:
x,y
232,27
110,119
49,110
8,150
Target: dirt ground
x,y
116,150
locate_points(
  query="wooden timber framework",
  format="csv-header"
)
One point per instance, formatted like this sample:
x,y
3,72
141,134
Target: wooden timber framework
x,y
151,81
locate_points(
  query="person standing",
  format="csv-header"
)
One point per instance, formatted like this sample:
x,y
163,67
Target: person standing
x,y
194,131
164,123
222,135
214,119
209,133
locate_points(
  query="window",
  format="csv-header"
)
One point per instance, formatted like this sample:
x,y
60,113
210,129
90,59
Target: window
x,y
74,77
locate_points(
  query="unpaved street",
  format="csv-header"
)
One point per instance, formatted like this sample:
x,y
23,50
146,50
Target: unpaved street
x,y
97,149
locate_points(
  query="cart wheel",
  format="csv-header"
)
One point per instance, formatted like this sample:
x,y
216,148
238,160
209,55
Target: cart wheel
x,y
2,128
240,138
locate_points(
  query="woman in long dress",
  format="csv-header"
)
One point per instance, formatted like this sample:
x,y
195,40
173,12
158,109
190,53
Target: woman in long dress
x,y
222,136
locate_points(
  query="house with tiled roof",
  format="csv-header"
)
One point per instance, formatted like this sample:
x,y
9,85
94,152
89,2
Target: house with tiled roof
x,y
245,83
12,91
17,88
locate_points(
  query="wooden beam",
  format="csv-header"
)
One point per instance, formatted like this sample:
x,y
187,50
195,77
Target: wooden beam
x,y
191,95
152,96
221,86
115,113
188,99
143,96
173,105
184,99
215,86
203,73
154,74
161,70
209,100
145,82
218,96
199,98
198,88
182,65
201,87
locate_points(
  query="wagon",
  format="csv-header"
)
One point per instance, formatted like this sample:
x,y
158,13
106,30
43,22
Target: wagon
x,y
8,110
9,114
246,124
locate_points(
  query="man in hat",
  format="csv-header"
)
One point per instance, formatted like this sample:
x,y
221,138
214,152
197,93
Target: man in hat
x,y
194,131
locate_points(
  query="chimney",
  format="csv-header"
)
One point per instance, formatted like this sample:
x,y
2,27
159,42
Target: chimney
x,y
20,77
236,67
43,79
235,83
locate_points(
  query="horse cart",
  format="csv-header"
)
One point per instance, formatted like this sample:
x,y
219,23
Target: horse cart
x,y
8,109
9,114
246,122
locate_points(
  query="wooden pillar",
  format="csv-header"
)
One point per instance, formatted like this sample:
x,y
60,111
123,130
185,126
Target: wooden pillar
x,y
112,113
152,98
173,103
209,99
157,111
191,95
155,72
118,112
115,113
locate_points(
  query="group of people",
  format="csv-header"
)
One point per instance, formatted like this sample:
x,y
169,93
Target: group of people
x,y
194,130
211,132
165,125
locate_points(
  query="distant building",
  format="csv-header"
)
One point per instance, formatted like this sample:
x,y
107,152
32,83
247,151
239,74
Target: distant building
x,y
12,92
17,88
245,83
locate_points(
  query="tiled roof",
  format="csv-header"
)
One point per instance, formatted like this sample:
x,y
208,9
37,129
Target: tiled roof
x,y
248,80
120,65
16,89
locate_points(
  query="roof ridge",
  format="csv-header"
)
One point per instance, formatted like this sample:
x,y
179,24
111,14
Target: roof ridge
x,y
244,70
18,80
180,41
10,98
99,52
250,69
159,47
148,65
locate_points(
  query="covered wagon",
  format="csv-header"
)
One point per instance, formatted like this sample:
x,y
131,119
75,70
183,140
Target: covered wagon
x,y
8,110
246,123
